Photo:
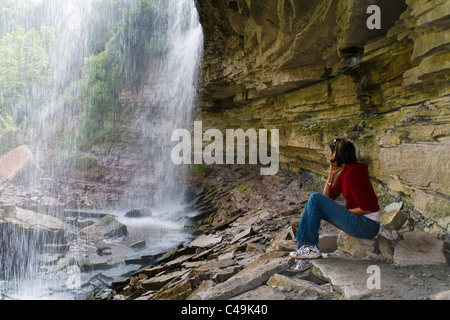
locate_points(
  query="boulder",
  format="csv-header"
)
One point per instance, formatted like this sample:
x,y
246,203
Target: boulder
x,y
420,248
19,166
33,220
393,217
360,248
32,228
27,232
107,226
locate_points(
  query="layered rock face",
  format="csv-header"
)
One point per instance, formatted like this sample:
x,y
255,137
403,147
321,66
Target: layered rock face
x,y
315,71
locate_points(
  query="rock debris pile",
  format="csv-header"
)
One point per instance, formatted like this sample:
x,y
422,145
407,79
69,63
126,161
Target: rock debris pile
x,y
243,252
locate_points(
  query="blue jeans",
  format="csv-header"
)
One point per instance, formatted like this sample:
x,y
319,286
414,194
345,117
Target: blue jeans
x,y
320,207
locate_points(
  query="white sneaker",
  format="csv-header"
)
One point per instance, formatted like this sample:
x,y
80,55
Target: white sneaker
x,y
303,265
306,252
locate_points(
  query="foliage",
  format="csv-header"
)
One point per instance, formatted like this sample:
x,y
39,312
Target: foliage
x,y
139,34
119,38
24,72
201,169
246,190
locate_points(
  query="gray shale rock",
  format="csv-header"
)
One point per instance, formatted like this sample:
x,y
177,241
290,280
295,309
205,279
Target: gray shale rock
x,y
107,226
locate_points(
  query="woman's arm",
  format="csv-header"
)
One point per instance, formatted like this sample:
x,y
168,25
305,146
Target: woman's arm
x,y
332,171
358,211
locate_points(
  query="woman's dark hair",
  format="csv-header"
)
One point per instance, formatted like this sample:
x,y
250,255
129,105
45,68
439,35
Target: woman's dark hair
x,y
344,152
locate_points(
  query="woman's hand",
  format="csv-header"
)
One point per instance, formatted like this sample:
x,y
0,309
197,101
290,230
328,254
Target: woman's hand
x,y
333,170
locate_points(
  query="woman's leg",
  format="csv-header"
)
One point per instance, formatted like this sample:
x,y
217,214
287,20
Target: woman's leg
x,y
320,207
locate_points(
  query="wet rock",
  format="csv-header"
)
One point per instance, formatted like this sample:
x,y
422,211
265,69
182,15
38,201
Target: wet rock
x,y
107,226
87,265
38,228
19,166
34,220
138,213
27,232
80,213
55,248
64,263
102,251
49,259
84,224
121,271
138,245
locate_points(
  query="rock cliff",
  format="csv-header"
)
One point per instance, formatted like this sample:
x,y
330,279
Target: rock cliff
x,y
313,70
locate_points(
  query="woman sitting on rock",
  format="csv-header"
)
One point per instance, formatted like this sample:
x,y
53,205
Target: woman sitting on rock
x,y
360,218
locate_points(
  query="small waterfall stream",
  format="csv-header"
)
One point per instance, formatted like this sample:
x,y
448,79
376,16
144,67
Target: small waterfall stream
x,y
164,56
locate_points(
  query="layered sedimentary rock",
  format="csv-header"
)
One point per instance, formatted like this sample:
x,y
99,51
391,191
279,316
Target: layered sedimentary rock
x,y
313,70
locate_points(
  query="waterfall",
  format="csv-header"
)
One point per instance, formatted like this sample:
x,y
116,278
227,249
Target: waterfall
x,y
169,107
91,52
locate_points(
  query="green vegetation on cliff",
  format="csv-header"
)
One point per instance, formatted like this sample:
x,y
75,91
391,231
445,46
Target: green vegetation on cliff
x,y
47,58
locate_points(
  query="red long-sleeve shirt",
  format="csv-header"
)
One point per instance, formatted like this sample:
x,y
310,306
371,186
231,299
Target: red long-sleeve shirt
x,y
354,184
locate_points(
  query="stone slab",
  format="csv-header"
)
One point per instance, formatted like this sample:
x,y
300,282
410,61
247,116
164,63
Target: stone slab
x,y
355,279
420,248
205,241
249,278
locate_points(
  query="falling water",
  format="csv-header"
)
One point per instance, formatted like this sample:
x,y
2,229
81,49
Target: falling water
x,y
169,107
55,108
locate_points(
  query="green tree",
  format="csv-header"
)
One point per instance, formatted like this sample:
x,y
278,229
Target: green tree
x,y
140,32
25,72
